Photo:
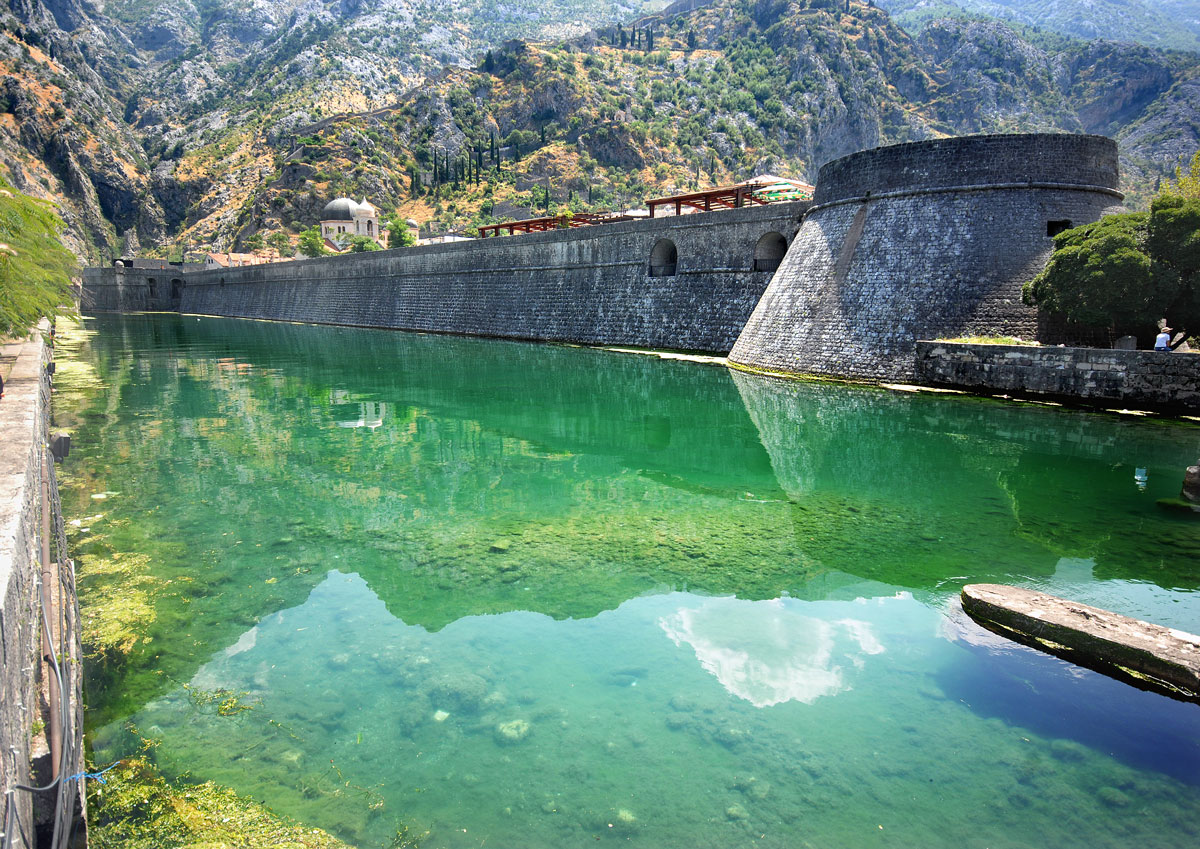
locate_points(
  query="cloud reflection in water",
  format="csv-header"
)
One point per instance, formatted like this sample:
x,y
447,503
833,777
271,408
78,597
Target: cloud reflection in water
x,y
768,652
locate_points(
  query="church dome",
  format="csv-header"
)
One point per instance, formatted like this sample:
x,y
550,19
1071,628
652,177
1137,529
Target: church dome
x,y
342,209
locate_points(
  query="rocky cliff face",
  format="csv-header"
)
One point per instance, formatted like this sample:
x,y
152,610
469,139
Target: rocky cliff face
x,y
101,100
198,123
1166,24
62,137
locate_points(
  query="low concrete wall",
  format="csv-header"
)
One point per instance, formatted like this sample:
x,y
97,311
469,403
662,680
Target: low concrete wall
x,y
1153,380
24,420
591,285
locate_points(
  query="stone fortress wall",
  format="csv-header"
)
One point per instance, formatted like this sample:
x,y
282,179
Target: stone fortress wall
x,y
681,282
923,241
919,241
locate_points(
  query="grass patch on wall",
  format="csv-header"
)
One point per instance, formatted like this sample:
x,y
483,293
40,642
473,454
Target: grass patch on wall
x,y
990,340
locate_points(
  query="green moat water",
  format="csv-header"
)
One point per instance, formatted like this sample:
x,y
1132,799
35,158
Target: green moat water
x,y
531,596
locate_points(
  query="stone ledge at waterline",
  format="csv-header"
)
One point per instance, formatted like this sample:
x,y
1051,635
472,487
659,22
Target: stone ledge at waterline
x,y
1144,654
1146,380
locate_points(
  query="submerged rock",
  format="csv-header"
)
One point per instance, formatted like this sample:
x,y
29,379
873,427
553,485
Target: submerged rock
x,y
736,812
731,737
752,787
623,821
1191,484
1113,797
513,731
464,691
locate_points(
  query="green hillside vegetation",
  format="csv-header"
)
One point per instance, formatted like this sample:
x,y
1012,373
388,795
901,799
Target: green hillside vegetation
x,y
35,267
686,102
228,124
1168,24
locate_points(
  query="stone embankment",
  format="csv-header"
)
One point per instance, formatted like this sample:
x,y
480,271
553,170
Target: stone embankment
x,y
1143,380
1150,656
41,716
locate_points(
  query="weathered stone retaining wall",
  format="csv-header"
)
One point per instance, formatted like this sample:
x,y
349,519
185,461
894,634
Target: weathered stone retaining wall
x,y
589,285
21,422
1153,380
24,418
920,241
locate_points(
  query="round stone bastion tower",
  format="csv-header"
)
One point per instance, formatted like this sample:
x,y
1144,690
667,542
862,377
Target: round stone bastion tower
x,y
925,240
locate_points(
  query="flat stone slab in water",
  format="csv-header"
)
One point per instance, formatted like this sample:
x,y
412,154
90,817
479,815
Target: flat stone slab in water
x,y
1150,656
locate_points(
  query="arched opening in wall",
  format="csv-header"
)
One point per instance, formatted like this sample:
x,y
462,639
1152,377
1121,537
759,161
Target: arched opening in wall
x,y
1053,228
222,283
152,285
176,291
663,259
769,252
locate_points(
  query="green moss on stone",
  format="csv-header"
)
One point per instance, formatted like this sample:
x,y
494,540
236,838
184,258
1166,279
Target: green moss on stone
x,y
139,809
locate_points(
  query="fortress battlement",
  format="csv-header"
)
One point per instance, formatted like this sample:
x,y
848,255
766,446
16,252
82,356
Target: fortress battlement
x,y
914,241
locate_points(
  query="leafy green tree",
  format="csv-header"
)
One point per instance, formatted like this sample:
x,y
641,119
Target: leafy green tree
x,y
1127,272
254,242
280,241
359,244
1173,242
312,243
399,234
1184,185
35,267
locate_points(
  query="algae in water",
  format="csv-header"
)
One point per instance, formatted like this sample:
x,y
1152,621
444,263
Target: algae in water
x,y
139,809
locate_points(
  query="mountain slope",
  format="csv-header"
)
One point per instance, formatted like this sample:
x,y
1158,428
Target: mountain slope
x,y
1166,24
212,122
95,97
768,86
